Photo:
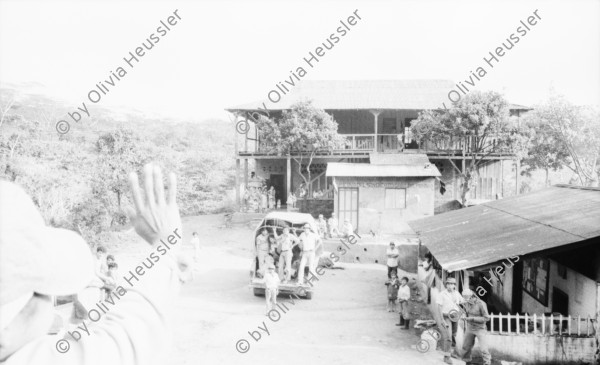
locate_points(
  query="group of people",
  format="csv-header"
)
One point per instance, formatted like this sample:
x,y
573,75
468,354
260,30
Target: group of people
x,y
105,268
273,248
278,251
397,290
330,228
302,192
454,307
260,199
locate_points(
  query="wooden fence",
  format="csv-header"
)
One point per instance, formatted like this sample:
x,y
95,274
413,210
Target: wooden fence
x,y
547,325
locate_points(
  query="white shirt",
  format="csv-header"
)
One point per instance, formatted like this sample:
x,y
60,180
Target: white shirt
x,y
404,292
309,241
271,280
449,301
347,228
392,261
195,241
262,243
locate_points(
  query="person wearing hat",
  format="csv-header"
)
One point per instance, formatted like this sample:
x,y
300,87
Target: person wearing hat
x,y
476,316
262,250
39,262
322,225
285,245
271,287
308,241
448,301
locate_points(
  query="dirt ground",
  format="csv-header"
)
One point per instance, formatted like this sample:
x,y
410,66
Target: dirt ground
x,y
346,322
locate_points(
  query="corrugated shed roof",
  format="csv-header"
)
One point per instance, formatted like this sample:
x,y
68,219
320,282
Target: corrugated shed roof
x,y
399,159
483,234
363,94
368,170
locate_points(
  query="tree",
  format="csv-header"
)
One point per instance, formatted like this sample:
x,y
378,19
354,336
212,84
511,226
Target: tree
x,y
546,151
118,154
301,133
481,122
575,132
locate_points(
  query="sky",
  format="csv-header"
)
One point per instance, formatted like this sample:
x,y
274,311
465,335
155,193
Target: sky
x,y
225,53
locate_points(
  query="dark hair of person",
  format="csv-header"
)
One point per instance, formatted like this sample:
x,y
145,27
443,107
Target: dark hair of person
x,y
101,249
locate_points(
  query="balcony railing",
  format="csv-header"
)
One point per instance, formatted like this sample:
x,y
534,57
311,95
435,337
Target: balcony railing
x,y
390,143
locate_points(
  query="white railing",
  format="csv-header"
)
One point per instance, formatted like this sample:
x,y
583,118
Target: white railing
x,y
524,324
389,142
360,142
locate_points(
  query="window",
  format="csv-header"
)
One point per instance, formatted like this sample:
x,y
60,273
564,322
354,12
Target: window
x,y
535,279
395,198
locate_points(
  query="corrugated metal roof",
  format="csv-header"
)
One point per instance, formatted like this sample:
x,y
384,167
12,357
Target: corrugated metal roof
x,y
363,94
483,234
292,217
368,170
419,159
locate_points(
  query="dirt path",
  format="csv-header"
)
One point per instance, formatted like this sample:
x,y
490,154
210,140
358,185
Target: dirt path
x,y
346,322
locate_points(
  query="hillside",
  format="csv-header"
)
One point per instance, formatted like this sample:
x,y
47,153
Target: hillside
x,y
79,179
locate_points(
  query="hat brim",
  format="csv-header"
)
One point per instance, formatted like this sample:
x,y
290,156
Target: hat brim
x,y
63,267
71,264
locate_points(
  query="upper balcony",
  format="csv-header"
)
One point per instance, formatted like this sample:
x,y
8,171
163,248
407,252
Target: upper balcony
x,y
362,145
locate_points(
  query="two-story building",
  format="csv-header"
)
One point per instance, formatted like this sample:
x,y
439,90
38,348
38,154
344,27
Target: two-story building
x,y
382,177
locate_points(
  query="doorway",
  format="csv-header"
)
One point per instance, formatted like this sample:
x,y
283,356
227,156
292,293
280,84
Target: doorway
x,y
560,302
277,181
348,206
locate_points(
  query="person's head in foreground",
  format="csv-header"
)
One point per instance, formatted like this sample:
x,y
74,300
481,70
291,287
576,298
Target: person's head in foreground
x,y
110,259
100,252
392,245
307,228
37,262
113,266
451,284
469,295
195,234
394,276
264,232
286,230
404,280
321,216
271,269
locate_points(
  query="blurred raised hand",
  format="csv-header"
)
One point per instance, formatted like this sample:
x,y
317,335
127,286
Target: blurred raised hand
x,y
154,217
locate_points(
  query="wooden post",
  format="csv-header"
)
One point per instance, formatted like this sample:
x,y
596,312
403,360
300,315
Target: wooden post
x,y
517,168
375,115
596,324
288,176
246,173
237,163
462,179
237,183
454,184
502,177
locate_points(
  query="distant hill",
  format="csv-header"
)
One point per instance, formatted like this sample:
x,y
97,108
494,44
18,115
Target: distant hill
x,y
79,179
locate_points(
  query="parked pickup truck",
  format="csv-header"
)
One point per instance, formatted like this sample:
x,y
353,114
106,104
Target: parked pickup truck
x,y
278,221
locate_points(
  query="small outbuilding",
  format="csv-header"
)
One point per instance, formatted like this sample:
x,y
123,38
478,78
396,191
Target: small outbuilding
x,y
535,260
